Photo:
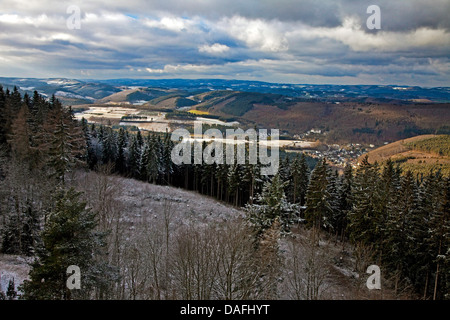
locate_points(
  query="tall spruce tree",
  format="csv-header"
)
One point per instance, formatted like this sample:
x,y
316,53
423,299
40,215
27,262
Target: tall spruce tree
x,y
134,156
63,142
345,201
421,268
365,215
153,158
270,206
166,158
121,156
333,193
69,238
397,245
438,240
299,181
318,208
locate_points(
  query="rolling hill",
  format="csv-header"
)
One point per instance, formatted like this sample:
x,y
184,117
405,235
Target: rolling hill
x,y
420,154
373,123
68,91
135,96
344,114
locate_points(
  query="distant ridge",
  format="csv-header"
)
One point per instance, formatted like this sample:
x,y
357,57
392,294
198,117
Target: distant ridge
x,y
88,90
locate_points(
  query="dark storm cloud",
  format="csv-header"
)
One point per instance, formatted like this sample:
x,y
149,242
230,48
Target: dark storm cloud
x,y
284,40
397,14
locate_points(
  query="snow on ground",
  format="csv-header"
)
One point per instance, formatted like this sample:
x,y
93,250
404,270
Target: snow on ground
x,y
13,267
72,95
146,201
142,204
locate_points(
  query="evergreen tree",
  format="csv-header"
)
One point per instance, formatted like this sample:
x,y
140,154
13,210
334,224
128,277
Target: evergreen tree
x,y
421,266
233,182
438,241
144,162
333,193
345,201
109,144
21,233
272,205
389,186
134,156
69,238
91,154
11,292
285,173
252,178
166,160
12,235
31,228
121,157
38,111
318,208
16,101
64,143
27,101
300,180
365,215
153,158
222,178
139,139
399,227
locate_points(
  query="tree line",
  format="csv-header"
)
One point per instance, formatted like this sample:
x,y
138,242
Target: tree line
x,y
402,218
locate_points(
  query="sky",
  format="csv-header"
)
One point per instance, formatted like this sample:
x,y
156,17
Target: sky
x,y
284,41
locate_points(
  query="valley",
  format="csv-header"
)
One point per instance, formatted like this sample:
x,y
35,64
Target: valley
x,y
116,173
338,122
342,114
219,158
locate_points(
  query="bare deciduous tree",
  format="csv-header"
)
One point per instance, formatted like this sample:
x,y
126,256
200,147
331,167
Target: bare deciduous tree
x,y
306,267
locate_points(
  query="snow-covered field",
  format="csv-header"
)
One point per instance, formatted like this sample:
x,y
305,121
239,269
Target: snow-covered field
x,y
144,202
106,112
157,123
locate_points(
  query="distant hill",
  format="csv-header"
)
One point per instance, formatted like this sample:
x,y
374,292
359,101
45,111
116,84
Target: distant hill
x,y
374,123
326,92
98,89
353,113
68,91
135,96
420,154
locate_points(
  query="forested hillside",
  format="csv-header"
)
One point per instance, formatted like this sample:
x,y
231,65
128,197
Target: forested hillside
x,y
420,154
400,222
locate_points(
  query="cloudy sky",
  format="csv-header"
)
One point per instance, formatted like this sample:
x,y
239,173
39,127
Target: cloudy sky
x,y
300,41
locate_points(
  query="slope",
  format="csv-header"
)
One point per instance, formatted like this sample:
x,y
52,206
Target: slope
x,y
420,154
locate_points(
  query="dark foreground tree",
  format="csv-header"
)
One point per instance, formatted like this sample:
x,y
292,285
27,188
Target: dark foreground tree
x,y
69,238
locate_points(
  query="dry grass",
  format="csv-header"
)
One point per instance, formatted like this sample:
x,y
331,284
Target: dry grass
x,y
118,97
417,161
397,149
199,112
